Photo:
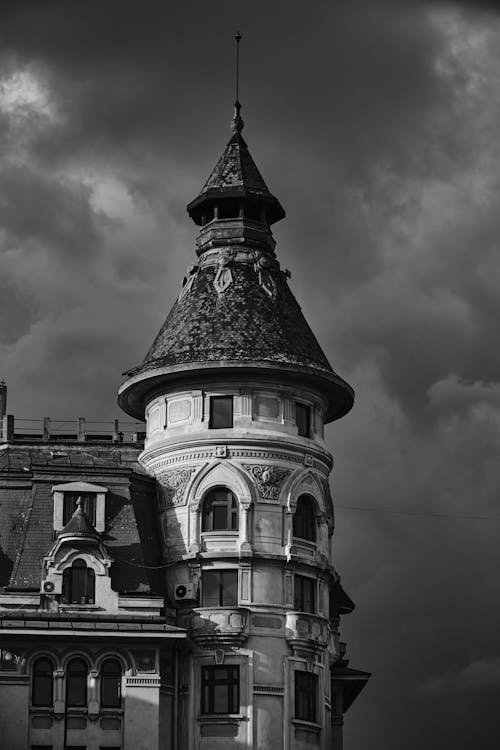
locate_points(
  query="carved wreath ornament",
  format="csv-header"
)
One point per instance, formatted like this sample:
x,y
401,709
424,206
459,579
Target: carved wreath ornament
x,y
173,485
268,479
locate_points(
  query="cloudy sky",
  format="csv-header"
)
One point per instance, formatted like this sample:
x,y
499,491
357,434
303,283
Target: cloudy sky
x,y
376,123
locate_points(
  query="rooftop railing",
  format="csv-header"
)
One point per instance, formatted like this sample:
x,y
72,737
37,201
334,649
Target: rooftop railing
x,y
81,430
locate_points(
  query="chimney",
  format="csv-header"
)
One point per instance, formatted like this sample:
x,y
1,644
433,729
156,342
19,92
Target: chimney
x,y
3,399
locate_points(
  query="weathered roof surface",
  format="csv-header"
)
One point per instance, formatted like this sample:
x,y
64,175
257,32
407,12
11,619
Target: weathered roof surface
x,y
79,524
243,323
27,474
236,174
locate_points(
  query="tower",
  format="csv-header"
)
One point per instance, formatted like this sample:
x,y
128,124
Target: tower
x,y
235,391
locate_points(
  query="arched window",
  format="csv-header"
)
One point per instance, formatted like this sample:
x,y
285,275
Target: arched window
x,y
220,511
111,684
304,519
78,584
42,686
76,683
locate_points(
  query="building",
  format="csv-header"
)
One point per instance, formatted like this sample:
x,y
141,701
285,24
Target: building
x,y
179,593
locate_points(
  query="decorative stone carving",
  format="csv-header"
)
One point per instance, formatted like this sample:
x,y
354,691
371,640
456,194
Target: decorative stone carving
x,y
223,277
268,479
173,484
262,266
188,281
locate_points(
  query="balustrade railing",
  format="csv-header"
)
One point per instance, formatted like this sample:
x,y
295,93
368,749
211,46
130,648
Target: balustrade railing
x,y
19,430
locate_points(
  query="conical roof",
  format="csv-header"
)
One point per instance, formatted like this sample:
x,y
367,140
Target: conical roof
x,y
236,175
235,309
79,524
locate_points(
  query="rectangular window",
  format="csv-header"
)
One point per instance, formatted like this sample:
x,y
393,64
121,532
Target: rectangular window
x,y
221,412
304,590
88,505
303,419
220,690
306,696
220,588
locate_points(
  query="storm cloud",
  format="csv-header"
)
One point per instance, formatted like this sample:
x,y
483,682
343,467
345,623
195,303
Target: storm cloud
x,y
376,125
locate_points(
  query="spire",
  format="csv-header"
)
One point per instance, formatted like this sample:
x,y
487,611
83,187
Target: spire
x,y
237,123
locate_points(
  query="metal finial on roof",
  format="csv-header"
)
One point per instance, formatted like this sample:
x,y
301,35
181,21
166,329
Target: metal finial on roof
x,y
237,122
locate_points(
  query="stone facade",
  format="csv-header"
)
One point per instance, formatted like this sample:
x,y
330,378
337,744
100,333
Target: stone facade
x,y
181,595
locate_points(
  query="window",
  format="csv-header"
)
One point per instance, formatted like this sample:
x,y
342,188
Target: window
x,y
304,593
219,588
76,683
306,696
220,511
304,519
78,584
220,690
303,419
88,505
221,412
42,686
111,684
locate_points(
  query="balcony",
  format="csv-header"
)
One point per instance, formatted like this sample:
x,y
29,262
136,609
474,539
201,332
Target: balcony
x,y
303,629
213,627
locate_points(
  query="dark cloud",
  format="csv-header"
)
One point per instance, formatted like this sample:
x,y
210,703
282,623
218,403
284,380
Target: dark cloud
x,y
376,125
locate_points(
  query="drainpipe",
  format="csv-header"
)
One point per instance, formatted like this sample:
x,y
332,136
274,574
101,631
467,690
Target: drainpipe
x,y
176,699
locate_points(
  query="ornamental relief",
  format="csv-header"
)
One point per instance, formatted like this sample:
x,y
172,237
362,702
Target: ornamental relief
x,y
173,484
268,479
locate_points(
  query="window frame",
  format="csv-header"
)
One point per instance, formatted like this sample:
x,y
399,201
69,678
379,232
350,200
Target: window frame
x,y
209,684
305,519
70,582
306,689
103,677
89,505
213,400
304,428
84,703
208,513
222,587
49,681
301,596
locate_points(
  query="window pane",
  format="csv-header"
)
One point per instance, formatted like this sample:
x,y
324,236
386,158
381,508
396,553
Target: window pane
x,y
306,690
111,680
76,683
304,594
302,418
42,683
304,519
221,412
210,588
220,690
229,588
220,517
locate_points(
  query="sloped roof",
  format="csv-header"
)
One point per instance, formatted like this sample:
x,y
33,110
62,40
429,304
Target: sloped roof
x,y
79,524
236,174
243,323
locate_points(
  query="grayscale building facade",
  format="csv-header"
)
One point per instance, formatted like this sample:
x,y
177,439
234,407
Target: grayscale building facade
x,y
172,587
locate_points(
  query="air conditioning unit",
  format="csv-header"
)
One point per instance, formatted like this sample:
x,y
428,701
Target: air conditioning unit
x,y
184,592
51,585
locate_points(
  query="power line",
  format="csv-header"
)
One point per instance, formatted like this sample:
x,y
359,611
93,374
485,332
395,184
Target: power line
x,y
418,513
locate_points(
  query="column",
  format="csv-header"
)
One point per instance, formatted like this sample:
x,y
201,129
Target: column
x,y
245,546
195,526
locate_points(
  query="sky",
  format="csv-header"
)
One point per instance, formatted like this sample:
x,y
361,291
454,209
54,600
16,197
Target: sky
x,y
375,123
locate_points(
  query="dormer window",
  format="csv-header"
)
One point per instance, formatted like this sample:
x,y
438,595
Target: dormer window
x,y
88,505
78,584
221,412
93,498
